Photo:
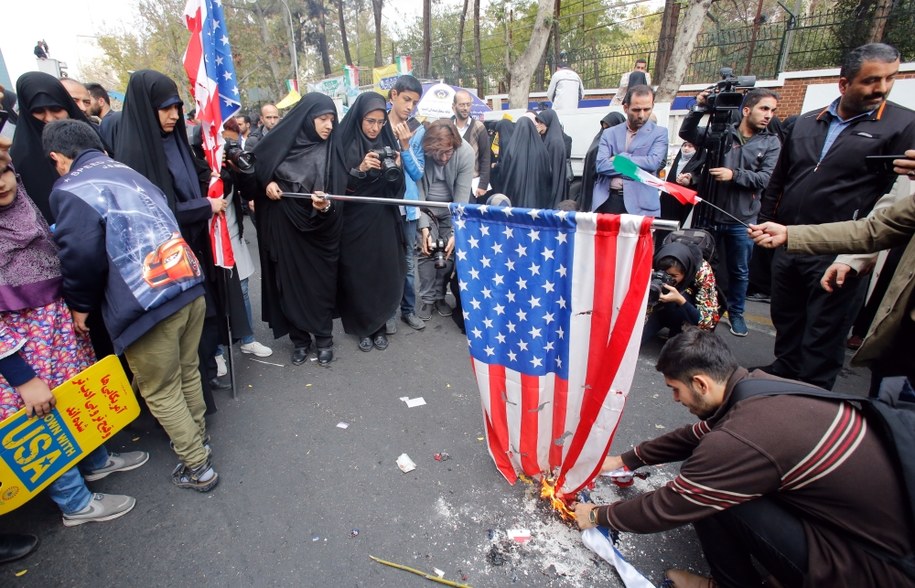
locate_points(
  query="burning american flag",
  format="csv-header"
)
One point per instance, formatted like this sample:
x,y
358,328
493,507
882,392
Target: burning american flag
x,y
554,305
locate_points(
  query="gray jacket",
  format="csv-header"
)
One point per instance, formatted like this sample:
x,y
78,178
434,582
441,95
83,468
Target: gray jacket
x,y
458,174
752,163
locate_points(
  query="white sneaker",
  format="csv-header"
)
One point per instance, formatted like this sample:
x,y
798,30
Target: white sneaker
x,y
257,349
102,507
221,367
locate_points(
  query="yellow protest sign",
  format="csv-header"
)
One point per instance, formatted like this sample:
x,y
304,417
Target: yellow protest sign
x,y
91,407
385,77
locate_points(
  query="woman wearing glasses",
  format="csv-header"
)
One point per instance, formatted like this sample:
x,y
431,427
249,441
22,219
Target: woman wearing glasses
x,y
372,251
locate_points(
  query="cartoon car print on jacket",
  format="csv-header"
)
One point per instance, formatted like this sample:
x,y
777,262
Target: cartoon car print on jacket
x,y
171,262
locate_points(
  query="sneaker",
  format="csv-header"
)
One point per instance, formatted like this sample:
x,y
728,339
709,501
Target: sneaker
x,y
442,308
759,297
390,327
102,507
257,349
118,462
414,322
201,479
738,326
221,367
425,311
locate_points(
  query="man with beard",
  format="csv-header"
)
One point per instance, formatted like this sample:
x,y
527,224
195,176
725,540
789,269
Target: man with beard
x,y
822,176
474,133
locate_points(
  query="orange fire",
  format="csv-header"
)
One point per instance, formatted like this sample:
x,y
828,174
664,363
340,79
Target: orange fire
x,y
548,492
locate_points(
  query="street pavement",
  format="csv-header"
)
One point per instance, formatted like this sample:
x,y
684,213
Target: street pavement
x,y
304,502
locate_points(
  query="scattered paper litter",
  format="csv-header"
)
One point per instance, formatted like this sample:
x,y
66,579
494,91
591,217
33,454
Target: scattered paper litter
x,y
414,402
404,398
519,535
405,463
439,572
342,425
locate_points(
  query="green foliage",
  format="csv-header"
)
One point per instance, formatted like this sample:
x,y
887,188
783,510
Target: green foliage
x,y
857,18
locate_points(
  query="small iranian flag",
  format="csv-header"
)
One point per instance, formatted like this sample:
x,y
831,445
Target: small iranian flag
x,y
404,64
625,166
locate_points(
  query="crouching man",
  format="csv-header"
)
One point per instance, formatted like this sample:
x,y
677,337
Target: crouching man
x,y
802,485
121,251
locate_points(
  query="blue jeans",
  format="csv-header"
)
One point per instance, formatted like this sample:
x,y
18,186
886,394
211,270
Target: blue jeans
x,y
408,301
69,491
244,294
738,249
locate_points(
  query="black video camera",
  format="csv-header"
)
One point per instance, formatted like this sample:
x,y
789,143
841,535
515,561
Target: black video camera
x,y
437,252
240,159
389,168
724,95
659,278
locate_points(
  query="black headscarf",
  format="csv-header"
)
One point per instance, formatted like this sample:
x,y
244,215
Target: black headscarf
x,y
526,168
554,141
589,171
352,144
140,143
502,130
36,90
689,257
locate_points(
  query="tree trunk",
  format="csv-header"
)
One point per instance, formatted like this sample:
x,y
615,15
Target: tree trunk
x,y
460,46
557,46
756,22
477,53
346,54
507,57
268,41
427,37
667,37
882,12
688,30
376,10
321,29
522,70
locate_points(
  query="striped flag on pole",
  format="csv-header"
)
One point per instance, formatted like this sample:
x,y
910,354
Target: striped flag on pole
x,y
211,70
554,304
628,168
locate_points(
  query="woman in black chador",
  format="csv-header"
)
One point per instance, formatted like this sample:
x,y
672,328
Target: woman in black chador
x,y
372,249
526,178
300,239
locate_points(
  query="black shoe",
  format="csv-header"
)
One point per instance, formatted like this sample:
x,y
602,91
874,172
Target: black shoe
x,y
365,344
325,355
299,355
380,342
217,384
14,546
442,308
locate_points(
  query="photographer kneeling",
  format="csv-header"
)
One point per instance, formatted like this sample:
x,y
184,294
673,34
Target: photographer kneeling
x,y
447,178
682,292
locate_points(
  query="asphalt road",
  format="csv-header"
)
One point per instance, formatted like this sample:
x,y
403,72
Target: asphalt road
x,y
303,502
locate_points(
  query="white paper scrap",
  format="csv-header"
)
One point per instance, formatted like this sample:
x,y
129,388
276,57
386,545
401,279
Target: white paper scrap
x,y
405,463
342,425
414,402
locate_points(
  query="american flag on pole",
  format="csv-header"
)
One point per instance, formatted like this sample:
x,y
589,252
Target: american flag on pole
x,y
554,304
211,70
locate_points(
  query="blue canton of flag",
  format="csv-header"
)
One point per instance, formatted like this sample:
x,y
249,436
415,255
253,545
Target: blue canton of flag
x,y
516,289
217,53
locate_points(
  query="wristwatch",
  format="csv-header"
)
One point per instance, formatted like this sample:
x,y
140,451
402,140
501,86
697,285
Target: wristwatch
x,y
592,516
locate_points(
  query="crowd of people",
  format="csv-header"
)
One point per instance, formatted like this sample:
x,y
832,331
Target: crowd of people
x,y
77,284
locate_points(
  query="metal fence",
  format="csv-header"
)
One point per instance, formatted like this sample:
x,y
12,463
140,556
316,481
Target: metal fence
x,y
764,50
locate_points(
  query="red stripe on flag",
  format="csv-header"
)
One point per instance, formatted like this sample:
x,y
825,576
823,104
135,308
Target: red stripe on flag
x,y
497,423
560,406
606,356
530,400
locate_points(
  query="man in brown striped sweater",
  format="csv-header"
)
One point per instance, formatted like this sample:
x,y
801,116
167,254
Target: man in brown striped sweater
x,y
801,485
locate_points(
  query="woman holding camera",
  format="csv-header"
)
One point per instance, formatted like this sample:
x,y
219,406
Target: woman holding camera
x,y
688,295
299,239
372,265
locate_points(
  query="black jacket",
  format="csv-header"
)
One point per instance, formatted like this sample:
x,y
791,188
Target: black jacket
x,y
805,190
752,163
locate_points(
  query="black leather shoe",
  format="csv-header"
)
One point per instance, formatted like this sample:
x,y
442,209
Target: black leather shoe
x,y
381,342
325,355
299,355
217,384
365,344
14,546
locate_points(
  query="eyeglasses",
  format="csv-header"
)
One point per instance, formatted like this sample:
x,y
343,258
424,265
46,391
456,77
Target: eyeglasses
x,y
375,122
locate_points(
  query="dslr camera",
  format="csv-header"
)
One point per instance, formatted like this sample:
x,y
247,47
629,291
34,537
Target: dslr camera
x,y
659,278
437,252
240,159
389,169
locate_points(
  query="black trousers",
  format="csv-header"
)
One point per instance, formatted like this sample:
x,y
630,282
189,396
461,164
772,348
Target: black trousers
x,y
811,324
761,529
614,204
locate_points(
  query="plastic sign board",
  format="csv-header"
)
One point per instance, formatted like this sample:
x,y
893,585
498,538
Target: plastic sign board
x,y
91,407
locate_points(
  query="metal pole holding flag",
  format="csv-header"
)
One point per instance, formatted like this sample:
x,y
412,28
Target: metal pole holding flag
x,y
657,223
